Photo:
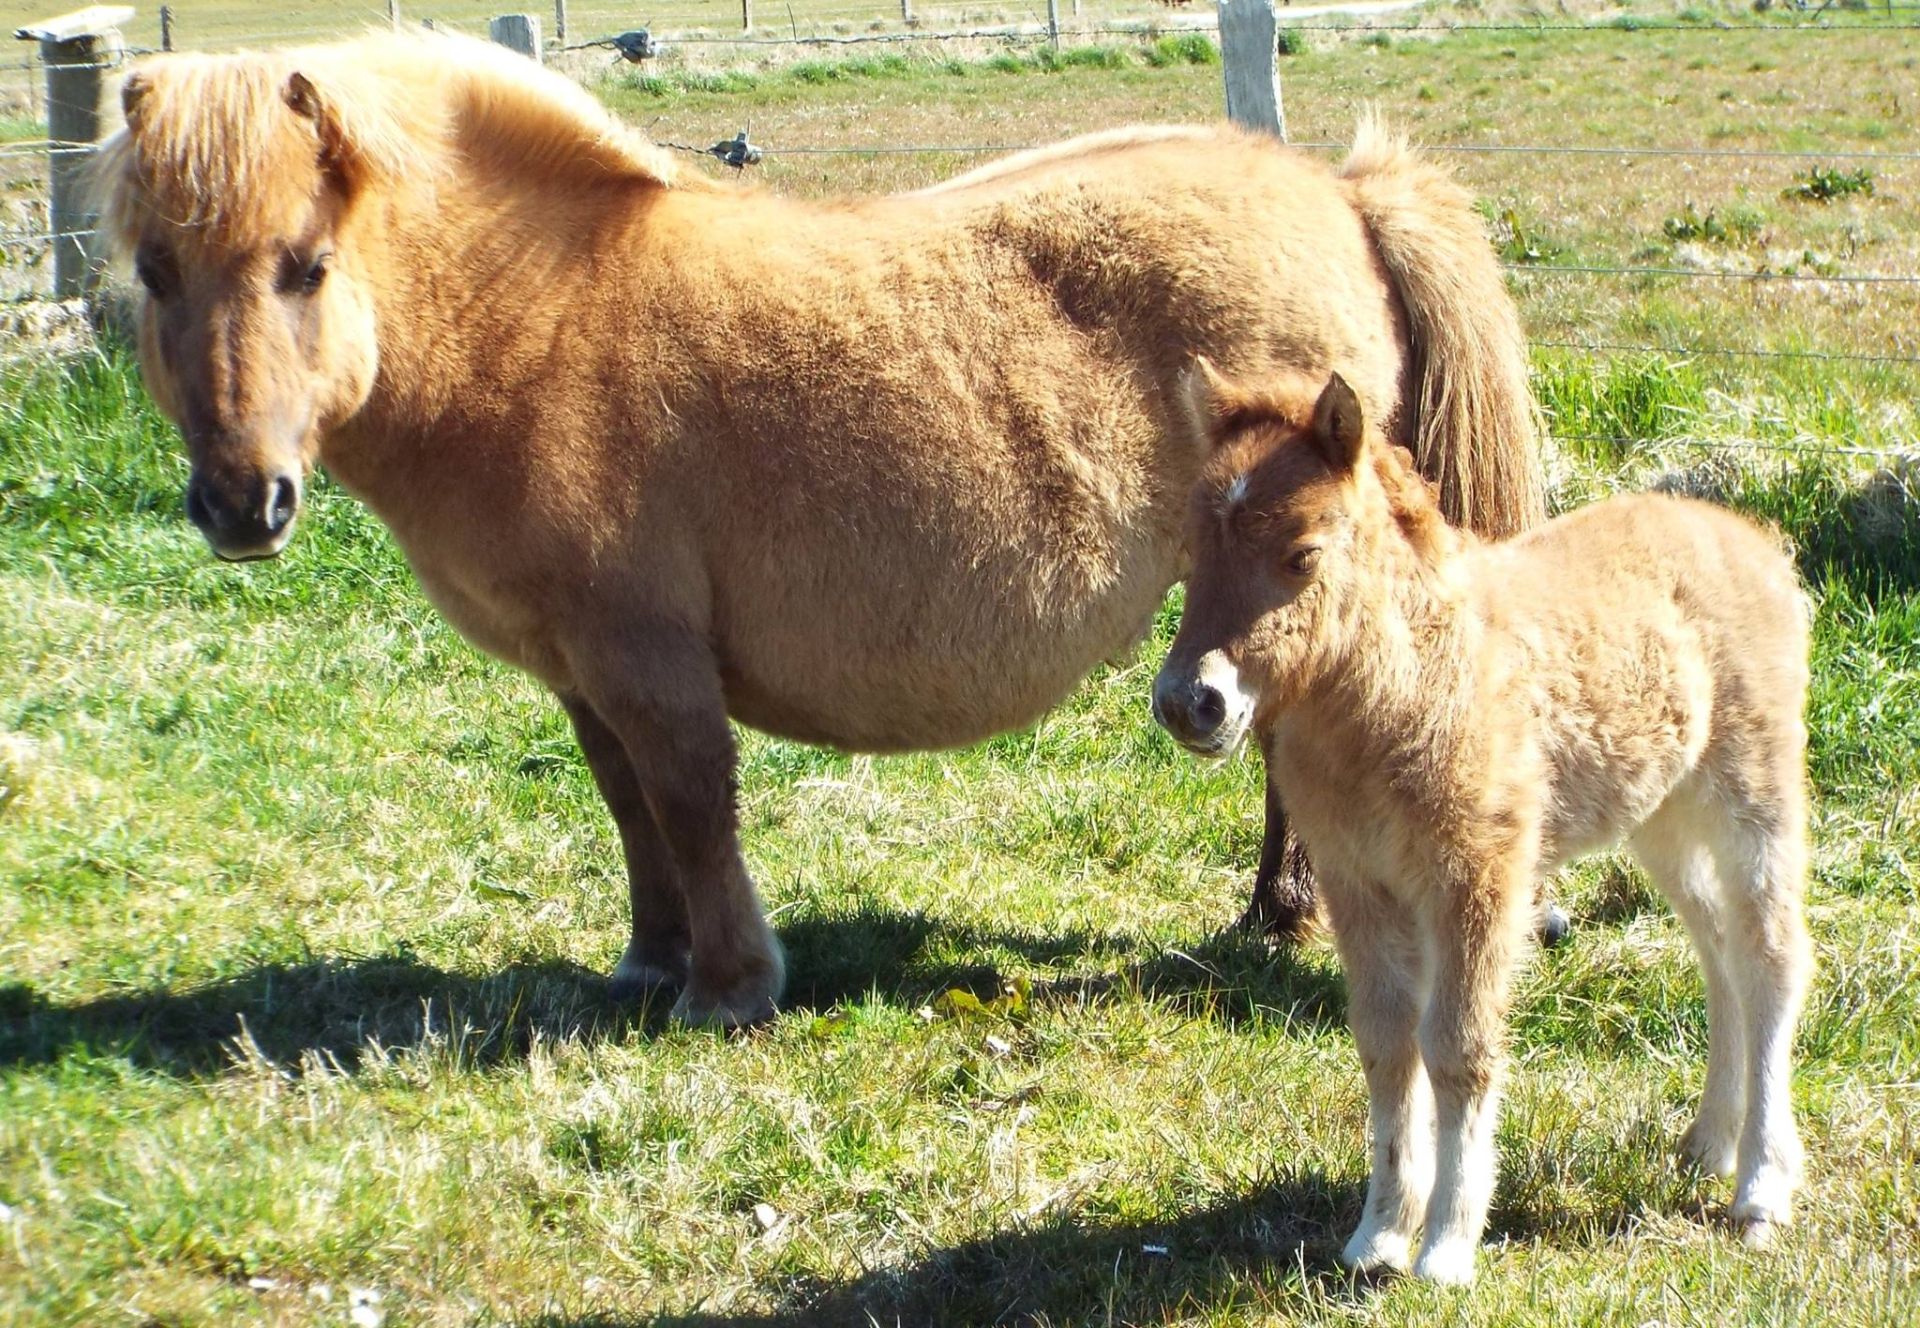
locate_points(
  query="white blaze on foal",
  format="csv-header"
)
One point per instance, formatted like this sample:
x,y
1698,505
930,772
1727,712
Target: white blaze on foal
x,y
1449,720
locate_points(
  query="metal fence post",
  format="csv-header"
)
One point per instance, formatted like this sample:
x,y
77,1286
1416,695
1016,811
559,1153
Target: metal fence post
x,y
1249,47
77,49
517,32
166,27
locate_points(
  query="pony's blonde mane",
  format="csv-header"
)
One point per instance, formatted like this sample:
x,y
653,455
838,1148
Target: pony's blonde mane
x,y
213,142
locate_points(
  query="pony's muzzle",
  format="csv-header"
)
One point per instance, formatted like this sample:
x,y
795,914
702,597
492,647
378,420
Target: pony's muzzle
x,y
1204,709
248,520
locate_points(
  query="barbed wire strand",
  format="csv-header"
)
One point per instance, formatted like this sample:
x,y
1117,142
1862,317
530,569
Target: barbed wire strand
x,y
1850,278
1718,352
1901,450
1521,149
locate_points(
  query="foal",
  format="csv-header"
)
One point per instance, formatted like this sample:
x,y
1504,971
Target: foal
x,y
1449,719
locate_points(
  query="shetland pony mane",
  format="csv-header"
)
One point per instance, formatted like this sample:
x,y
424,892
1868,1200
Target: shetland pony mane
x,y
220,141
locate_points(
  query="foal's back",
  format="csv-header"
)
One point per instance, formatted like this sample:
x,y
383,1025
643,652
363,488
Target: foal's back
x,y
1658,641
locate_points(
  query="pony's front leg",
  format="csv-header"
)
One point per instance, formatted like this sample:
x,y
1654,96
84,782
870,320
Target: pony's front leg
x,y
658,690
1475,931
658,949
1383,963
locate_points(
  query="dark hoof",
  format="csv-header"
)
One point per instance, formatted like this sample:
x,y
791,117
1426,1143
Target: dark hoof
x,y
747,1003
1555,926
635,980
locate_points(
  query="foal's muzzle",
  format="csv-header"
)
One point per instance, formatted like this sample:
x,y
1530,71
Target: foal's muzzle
x,y
1204,708
251,519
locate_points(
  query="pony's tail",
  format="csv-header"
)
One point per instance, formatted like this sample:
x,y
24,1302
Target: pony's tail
x,y
1474,429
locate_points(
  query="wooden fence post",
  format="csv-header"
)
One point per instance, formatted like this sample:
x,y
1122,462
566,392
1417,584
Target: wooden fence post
x,y
746,15
166,27
1053,23
560,23
906,11
77,50
1249,47
517,32
393,14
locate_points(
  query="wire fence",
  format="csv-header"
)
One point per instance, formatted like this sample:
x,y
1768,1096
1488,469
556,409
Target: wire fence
x,y
740,153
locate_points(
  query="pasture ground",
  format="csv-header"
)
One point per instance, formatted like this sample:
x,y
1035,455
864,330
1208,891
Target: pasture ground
x,y
303,903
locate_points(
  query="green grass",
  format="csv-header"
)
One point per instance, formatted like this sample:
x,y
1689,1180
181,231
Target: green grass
x,y
303,903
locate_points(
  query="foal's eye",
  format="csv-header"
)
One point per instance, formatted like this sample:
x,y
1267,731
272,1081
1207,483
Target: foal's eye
x,y
315,274
1301,562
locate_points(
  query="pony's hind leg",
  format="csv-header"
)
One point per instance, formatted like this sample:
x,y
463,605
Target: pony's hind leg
x,y
1763,868
1675,853
659,691
1384,964
658,949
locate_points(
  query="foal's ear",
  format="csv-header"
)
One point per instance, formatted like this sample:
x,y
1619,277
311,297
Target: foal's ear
x,y
1218,406
1339,425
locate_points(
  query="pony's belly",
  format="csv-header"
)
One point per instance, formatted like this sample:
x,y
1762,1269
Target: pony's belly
x,y
889,695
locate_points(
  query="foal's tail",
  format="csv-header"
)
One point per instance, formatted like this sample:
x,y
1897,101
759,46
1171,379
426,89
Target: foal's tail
x,y
1474,421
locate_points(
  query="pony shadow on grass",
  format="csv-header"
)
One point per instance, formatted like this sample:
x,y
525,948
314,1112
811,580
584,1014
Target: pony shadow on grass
x,y
339,1010
343,1010
904,958
1273,1244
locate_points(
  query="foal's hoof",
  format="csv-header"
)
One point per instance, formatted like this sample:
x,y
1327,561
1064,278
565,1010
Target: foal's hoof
x,y
1555,926
1448,1264
1756,1233
1373,1252
1709,1147
635,978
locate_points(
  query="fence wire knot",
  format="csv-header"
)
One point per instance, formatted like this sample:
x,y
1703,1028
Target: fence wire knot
x,y
635,46
736,151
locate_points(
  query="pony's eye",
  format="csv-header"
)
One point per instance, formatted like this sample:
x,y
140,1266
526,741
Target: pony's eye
x,y
1301,562
154,274
302,275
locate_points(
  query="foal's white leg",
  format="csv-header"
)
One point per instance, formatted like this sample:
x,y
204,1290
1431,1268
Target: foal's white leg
x,y
1673,849
1476,933
1764,871
1383,962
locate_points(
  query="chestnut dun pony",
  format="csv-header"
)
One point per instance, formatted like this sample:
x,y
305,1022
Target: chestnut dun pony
x,y
885,473
1448,719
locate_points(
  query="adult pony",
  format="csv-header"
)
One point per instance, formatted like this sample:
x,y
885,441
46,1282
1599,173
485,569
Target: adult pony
x,y
885,473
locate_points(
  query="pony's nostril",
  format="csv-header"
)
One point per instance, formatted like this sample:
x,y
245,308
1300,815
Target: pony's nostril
x,y
1209,709
198,511
282,501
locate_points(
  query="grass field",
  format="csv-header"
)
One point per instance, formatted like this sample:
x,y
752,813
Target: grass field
x,y
303,903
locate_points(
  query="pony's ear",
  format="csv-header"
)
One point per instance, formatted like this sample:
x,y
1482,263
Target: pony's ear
x,y
132,92
1339,425
305,101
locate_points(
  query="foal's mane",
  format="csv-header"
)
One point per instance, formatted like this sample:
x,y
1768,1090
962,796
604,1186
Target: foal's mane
x,y
211,143
1414,502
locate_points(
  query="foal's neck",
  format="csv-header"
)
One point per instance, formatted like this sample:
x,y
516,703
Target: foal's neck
x,y
1408,672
